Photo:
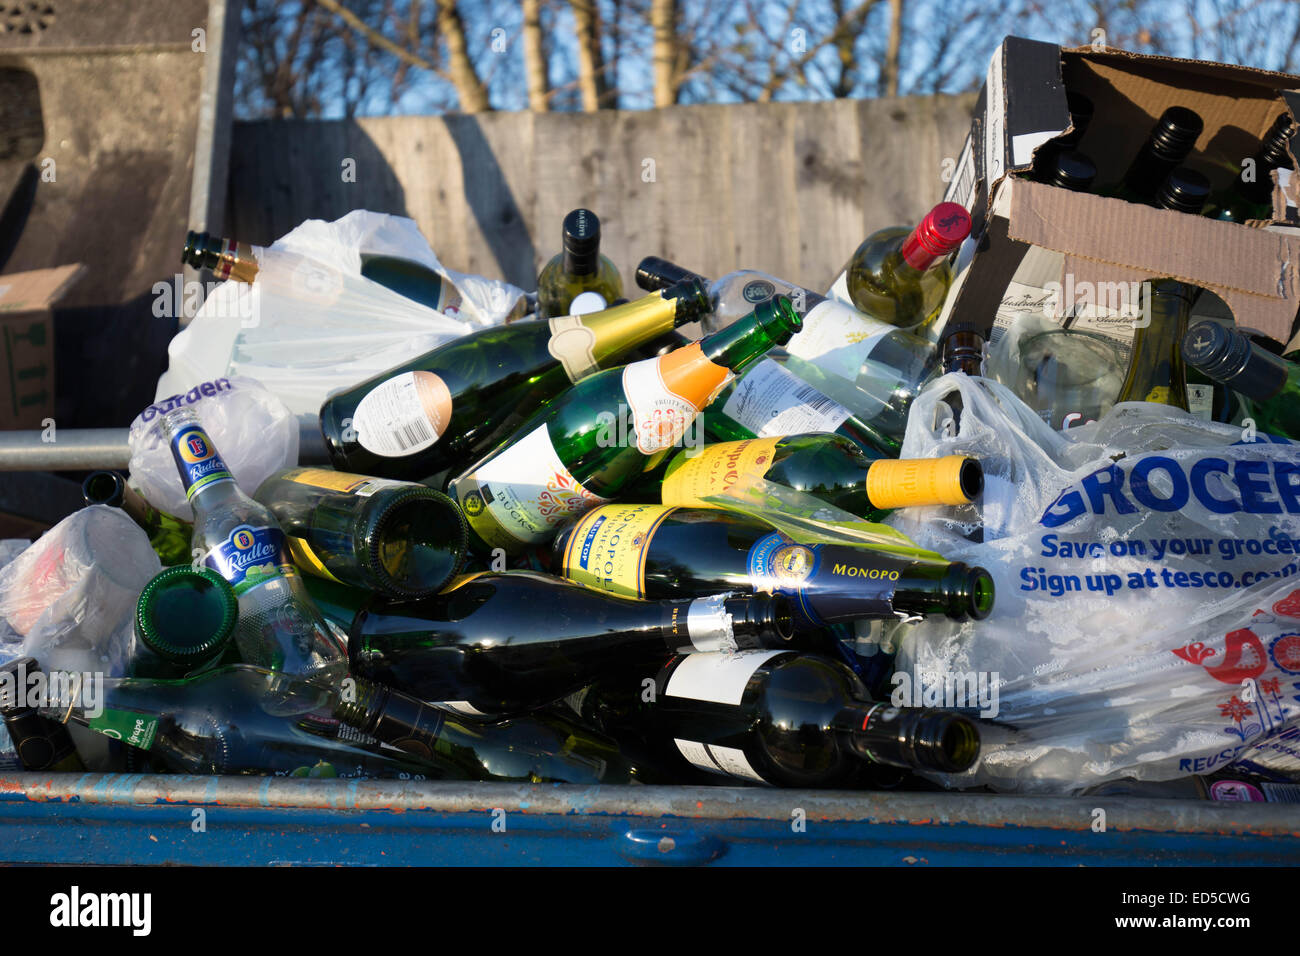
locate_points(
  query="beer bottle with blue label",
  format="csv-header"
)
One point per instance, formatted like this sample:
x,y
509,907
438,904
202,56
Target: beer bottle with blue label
x,y
279,627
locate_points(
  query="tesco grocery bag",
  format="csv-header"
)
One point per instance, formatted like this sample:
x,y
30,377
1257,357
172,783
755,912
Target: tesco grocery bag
x,y
1147,620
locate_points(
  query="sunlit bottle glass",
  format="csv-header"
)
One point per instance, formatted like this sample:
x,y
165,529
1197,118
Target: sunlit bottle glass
x,y
579,275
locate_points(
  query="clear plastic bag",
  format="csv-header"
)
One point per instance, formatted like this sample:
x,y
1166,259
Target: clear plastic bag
x,y
1147,620
311,323
253,430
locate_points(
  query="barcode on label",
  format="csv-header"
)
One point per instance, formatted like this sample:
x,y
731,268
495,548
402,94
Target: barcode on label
x,y
413,432
815,400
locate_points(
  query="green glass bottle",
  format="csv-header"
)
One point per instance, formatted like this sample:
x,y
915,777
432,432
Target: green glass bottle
x,y
1184,190
1171,141
41,744
449,407
169,536
1270,383
826,466
580,279
1251,194
401,538
1046,166
783,395
1155,371
656,551
785,718
184,624
590,443
901,275
500,644
1066,169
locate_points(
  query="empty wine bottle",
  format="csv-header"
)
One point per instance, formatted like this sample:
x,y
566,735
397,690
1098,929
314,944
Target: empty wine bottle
x,y
1046,157
828,467
784,718
278,626
579,279
169,536
1155,371
398,537
901,275
1184,190
1251,194
1270,383
41,744
655,551
588,444
241,262
500,644
875,368
447,408
1171,140
184,624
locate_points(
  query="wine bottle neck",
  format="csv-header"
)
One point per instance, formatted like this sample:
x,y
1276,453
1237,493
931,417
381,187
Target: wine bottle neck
x,y
390,716
912,737
653,273
727,623
227,258
935,237
771,323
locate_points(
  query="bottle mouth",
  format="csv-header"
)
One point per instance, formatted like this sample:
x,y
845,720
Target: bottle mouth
x,y
782,616
417,543
186,615
947,742
973,591
1185,190
777,316
1074,171
1176,132
104,488
581,242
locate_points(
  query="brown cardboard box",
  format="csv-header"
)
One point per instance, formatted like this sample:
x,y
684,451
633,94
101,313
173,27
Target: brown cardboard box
x,y
27,338
1033,241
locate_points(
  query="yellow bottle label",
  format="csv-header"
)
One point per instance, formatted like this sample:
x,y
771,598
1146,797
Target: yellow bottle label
x,y
1158,394
916,481
581,342
307,560
607,549
323,478
726,468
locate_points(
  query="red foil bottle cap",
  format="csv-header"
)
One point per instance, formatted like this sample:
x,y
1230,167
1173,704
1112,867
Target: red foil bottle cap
x,y
938,234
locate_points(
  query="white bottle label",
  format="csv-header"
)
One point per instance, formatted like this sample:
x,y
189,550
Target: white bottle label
x,y
585,302
709,625
462,707
660,416
771,402
716,759
720,678
526,490
1200,401
837,339
404,415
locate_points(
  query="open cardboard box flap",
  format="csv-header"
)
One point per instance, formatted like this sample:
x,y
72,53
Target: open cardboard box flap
x,y
38,289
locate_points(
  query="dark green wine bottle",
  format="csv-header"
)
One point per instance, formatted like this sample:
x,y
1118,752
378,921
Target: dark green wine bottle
x,y
40,743
593,441
1155,371
579,279
826,466
654,551
447,408
169,536
1184,190
500,644
1068,169
401,538
184,624
1172,139
785,718
1046,156
1251,194
1270,383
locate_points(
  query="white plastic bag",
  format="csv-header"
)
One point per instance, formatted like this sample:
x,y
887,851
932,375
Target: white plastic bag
x,y
252,429
71,596
311,323
1147,619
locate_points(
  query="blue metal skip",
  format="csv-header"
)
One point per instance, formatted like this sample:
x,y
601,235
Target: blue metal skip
x,y
136,819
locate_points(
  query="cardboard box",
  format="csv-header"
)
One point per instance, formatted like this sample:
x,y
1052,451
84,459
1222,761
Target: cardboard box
x,y
27,338
1038,248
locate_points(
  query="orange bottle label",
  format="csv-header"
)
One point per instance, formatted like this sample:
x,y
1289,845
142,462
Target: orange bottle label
x,y
666,393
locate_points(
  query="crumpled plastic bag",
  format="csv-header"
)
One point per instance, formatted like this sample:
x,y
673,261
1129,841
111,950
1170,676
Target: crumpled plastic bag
x,y
1147,565
255,434
311,323
70,598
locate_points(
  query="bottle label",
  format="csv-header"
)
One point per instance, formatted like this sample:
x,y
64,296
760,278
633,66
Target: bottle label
x,y
1200,401
199,463
522,494
837,338
359,485
403,415
607,549
128,726
666,393
829,579
586,302
250,556
462,707
716,678
709,625
727,761
724,468
574,700
573,345
772,401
